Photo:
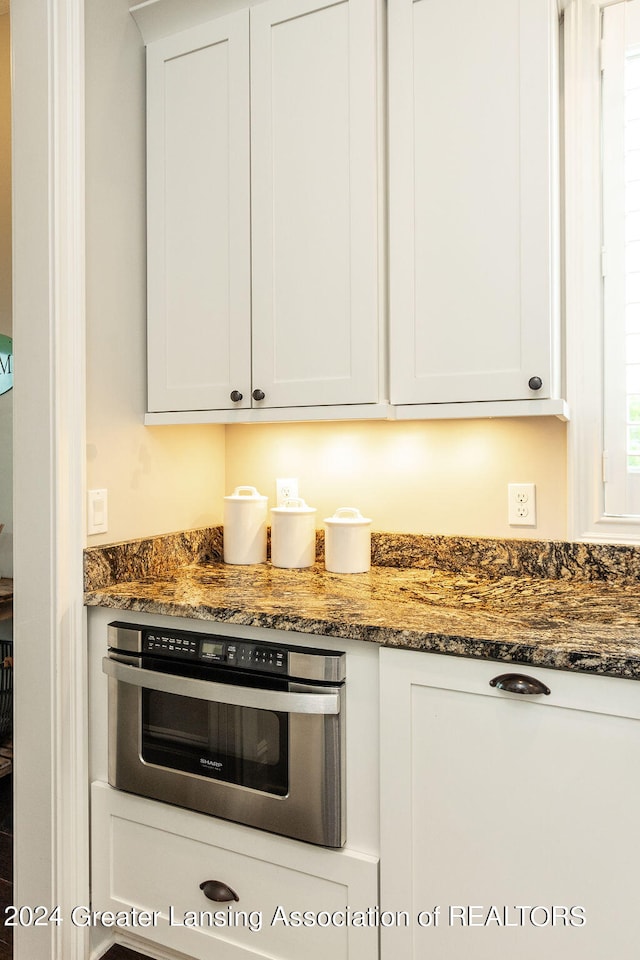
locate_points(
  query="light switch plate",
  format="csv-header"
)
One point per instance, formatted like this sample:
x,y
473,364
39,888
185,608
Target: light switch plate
x,y
96,511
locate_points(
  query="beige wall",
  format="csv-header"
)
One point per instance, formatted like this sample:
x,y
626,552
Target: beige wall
x,y
163,478
447,477
6,401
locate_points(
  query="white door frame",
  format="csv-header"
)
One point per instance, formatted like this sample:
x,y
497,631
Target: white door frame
x,y
50,731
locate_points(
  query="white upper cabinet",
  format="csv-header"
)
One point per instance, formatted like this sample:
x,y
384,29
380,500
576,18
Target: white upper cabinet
x,y
198,216
314,201
266,242
263,144
472,142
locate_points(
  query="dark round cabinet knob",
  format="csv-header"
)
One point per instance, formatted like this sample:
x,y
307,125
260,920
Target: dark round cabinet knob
x,y
258,394
236,396
535,383
218,891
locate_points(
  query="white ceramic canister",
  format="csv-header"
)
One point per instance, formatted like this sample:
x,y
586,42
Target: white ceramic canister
x,y
347,545
293,534
245,526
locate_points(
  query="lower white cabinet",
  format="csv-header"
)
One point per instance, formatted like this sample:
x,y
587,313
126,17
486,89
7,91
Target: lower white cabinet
x,y
511,820
149,860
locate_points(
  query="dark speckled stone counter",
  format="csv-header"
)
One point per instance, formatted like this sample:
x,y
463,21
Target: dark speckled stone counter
x,y
566,606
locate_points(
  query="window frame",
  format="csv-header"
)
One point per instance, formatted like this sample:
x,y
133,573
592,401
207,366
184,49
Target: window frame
x,y
583,280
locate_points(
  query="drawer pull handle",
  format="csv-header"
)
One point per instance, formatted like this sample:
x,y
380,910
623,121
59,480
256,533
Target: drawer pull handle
x,y
327,702
219,891
519,683
258,394
236,396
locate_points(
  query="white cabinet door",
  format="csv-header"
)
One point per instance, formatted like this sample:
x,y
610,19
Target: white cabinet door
x,y
314,146
303,317
516,816
471,146
199,336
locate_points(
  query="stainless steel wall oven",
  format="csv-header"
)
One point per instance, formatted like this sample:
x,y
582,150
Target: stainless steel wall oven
x,y
245,730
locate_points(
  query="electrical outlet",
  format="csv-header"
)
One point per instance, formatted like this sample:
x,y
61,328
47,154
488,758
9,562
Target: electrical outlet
x,y
522,504
286,489
96,511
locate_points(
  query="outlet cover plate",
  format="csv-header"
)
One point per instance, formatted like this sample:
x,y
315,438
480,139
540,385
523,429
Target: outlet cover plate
x,y
286,489
522,504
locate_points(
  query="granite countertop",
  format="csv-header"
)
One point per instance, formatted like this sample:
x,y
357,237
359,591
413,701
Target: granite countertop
x,y
565,606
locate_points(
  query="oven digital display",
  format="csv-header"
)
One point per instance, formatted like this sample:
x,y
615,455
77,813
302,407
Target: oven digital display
x,y
212,649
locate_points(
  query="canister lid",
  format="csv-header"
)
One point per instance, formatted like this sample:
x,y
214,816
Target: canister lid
x,y
293,505
245,493
348,516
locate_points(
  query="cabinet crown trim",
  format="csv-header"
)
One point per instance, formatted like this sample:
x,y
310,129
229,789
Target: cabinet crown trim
x,y
157,19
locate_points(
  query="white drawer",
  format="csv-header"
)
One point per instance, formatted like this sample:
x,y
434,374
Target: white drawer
x,y
153,857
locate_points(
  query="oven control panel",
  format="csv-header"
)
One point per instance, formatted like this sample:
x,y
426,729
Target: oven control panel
x,y
130,640
245,655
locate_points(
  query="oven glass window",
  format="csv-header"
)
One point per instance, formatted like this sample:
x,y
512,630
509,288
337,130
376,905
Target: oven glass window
x,y
240,745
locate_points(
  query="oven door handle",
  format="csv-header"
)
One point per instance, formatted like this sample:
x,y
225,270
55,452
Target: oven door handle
x,y
325,702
